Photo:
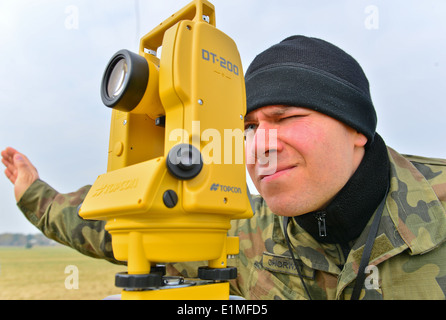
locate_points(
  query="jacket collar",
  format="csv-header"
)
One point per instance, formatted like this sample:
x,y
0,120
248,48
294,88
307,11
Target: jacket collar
x,y
414,208
413,218
349,212
418,227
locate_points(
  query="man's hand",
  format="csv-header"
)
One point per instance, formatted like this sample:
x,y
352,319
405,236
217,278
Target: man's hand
x,y
19,171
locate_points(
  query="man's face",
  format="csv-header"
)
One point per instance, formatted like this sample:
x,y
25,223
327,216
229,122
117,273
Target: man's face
x,y
312,156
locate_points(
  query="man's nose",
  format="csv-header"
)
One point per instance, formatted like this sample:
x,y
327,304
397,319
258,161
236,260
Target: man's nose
x,y
260,143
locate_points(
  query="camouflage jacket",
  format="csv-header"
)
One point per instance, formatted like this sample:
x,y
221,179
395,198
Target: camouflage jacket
x,y
408,260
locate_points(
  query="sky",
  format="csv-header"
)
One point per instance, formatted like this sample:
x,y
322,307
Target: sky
x,y
54,53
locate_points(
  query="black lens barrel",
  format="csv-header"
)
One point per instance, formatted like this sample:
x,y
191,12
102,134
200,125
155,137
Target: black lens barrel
x,y
135,82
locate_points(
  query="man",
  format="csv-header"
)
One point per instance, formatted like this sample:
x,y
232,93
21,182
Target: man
x,y
342,217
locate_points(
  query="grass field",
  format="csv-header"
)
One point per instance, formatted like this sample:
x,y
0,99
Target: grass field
x,y
54,273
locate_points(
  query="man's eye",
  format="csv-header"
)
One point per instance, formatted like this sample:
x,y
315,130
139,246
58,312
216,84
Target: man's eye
x,y
291,117
250,126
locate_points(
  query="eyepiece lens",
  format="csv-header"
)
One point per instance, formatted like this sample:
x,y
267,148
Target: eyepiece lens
x,y
117,79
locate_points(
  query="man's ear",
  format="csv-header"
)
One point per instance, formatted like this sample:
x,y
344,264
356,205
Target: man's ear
x,y
360,139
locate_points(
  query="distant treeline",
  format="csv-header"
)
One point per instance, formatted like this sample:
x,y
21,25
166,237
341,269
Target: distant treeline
x,y
25,240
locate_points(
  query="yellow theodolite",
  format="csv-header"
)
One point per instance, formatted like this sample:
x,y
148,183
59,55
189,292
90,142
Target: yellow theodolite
x,y
171,190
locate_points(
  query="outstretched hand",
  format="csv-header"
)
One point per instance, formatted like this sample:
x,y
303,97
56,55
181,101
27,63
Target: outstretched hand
x,y
19,170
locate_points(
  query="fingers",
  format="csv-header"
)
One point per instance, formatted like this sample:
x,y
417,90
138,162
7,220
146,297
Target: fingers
x,y
7,155
19,170
8,161
11,176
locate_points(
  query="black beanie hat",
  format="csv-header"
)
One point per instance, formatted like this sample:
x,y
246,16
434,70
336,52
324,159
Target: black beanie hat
x,y
312,73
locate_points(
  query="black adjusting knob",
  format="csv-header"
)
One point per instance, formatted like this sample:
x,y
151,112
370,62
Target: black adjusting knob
x,y
184,161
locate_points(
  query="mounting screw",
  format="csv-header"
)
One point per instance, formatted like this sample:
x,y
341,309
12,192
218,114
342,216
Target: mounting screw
x,y
170,198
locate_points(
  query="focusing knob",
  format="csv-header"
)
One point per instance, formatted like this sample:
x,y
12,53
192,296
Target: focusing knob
x,y
184,161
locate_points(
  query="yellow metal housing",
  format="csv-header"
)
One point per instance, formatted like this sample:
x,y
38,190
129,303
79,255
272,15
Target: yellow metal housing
x,y
198,86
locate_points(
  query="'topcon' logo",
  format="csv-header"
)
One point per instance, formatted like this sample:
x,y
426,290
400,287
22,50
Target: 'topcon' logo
x,y
223,188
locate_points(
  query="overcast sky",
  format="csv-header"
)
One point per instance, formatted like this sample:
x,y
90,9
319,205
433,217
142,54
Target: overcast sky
x,y
53,54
